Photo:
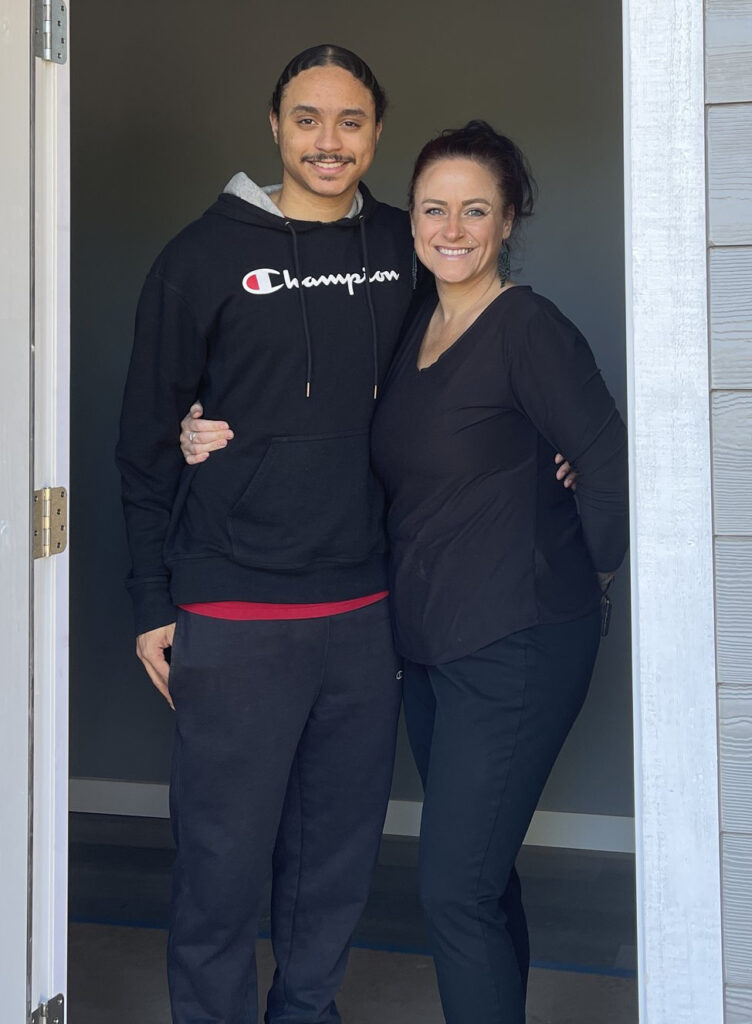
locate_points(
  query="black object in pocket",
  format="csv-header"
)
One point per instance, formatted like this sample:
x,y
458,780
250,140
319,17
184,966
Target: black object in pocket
x,y
313,499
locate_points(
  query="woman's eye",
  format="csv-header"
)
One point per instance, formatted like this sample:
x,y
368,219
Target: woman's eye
x,y
476,212
433,211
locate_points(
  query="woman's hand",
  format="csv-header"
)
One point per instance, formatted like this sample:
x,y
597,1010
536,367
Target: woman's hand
x,y
199,437
566,472
604,579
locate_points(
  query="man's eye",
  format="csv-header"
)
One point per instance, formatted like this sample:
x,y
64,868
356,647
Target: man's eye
x,y
351,124
305,121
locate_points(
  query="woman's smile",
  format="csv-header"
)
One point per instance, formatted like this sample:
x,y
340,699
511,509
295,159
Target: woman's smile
x,y
444,250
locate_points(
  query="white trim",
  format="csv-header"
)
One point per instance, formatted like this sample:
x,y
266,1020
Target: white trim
x,y
112,796
676,766
16,115
605,832
51,468
403,818
549,828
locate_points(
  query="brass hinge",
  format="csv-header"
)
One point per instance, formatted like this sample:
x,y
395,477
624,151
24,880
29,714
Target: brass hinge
x,y
50,521
52,1012
51,30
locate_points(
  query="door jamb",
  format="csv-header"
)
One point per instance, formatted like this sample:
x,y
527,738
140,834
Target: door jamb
x,y
675,718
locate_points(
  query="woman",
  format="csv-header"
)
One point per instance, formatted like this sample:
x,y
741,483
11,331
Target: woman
x,y
496,577
496,574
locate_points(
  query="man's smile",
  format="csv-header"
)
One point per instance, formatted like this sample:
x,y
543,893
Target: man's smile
x,y
328,164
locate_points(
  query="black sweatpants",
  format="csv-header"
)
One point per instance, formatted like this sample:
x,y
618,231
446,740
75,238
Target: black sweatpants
x,y
284,751
485,731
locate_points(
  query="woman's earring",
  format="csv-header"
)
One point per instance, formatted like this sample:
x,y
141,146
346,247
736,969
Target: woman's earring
x,y
505,269
415,269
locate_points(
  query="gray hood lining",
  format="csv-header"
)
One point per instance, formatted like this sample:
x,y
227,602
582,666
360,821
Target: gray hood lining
x,y
243,187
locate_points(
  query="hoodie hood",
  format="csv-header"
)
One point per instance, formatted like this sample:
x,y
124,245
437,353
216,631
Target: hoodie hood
x,y
245,188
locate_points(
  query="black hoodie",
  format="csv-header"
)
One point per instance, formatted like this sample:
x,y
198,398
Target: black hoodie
x,y
285,329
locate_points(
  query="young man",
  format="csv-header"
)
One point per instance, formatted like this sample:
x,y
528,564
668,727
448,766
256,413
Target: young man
x,y
264,570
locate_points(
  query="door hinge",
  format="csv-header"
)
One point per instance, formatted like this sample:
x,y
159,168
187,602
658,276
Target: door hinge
x,y
52,1012
51,30
50,522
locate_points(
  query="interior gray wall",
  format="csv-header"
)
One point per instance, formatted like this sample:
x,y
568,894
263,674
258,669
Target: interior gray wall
x,y
166,104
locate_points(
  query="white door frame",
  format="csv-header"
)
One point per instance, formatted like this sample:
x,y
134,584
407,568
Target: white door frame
x,y
34,179
676,741
676,768
15,490
51,269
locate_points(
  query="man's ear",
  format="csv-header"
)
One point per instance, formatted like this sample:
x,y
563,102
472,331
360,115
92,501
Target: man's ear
x,y
379,126
274,122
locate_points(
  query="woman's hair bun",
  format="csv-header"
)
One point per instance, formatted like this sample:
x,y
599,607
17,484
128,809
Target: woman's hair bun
x,y
478,127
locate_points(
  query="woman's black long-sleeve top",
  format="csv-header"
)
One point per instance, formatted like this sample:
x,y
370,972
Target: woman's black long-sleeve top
x,y
484,540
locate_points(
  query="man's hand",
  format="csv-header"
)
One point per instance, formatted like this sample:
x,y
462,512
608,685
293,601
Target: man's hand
x,y
150,648
199,437
566,472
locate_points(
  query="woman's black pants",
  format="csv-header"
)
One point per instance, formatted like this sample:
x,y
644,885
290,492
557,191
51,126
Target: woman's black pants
x,y
485,731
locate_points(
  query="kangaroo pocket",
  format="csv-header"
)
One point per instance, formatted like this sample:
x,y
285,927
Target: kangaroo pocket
x,y
312,500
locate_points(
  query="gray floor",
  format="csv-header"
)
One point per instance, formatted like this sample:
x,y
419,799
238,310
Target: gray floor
x,y
117,975
579,904
580,908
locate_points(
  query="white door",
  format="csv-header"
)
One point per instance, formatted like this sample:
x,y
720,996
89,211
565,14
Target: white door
x,y
34,237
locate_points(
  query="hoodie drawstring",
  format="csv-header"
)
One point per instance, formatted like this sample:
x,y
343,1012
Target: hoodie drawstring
x,y
369,300
303,310
371,310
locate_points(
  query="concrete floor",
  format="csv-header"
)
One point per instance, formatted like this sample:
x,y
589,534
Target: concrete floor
x,y
117,975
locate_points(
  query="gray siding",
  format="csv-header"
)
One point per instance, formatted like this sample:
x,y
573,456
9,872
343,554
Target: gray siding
x,y
728,81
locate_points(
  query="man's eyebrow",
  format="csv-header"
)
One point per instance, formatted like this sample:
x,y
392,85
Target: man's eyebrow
x,y
302,108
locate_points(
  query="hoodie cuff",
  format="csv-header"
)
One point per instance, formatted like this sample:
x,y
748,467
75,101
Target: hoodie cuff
x,y
152,604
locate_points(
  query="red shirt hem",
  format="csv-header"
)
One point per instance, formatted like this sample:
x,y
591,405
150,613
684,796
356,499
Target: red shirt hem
x,y
250,610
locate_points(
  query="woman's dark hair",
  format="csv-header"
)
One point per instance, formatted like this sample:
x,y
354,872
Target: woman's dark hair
x,y
328,55
478,141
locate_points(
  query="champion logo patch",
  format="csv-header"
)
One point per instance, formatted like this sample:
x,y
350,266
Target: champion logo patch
x,y
266,280
261,282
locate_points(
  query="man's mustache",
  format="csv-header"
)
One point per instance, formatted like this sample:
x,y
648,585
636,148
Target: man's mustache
x,y
327,158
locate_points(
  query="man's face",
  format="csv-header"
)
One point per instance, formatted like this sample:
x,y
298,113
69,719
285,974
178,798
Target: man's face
x,y
326,131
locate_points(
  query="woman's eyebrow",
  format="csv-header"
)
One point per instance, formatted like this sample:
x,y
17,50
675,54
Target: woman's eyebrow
x,y
465,202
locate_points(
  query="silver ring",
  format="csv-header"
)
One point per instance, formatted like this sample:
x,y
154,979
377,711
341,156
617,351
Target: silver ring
x,y
191,435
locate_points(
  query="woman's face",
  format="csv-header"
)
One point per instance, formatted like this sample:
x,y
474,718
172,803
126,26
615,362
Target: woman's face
x,y
459,220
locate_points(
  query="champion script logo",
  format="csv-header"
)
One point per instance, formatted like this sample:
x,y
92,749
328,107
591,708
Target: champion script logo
x,y
264,281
